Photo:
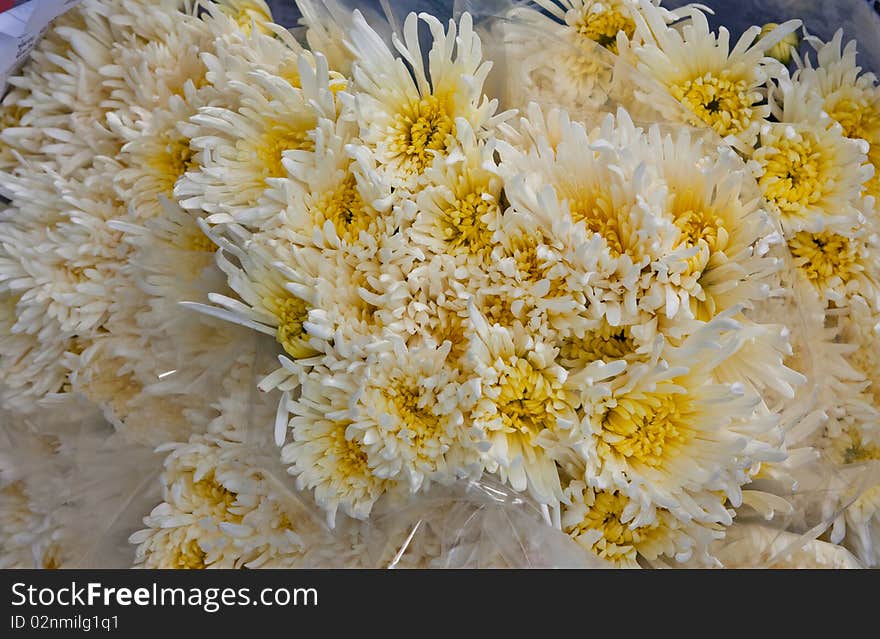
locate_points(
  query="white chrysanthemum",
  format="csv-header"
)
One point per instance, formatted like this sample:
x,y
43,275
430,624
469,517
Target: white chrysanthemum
x,y
458,215
605,523
528,405
67,268
720,86
408,118
554,51
850,97
219,511
811,176
712,204
240,152
327,454
669,436
331,197
157,152
34,364
600,208
410,412
59,102
838,265
155,63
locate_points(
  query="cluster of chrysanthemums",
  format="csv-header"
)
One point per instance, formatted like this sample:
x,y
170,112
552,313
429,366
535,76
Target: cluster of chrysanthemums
x,y
638,285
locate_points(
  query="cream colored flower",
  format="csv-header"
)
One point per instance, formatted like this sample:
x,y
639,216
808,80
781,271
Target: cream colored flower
x,y
604,522
838,265
409,119
670,436
240,151
527,407
723,88
459,214
554,51
811,176
410,411
219,511
328,454
850,97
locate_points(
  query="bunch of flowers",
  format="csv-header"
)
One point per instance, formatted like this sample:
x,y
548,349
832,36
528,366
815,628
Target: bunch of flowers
x,y
330,279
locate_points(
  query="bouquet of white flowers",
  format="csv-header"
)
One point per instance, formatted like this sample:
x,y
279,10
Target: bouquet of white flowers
x,y
553,283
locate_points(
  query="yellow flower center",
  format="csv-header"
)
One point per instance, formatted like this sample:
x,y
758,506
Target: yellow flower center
x,y
350,458
701,226
607,343
189,556
496,309
527,401
619,542
208,492
860,119
417,419
277,139
722,103
11,115
822,256
423,130
603,26
199,242
793,170
291,313
649,428
345,208
175,159
247,14
600,217
463,227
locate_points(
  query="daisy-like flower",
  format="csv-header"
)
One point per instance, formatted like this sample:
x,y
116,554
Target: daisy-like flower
x,y
67,266
720,86
721,224
219,511
600,209
240,152
331,197
59,101
555,51
838,265
410,413
158,60
459,214
812,176
327,453
407,119
157,153
670,437
850,97
604,522
527,407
